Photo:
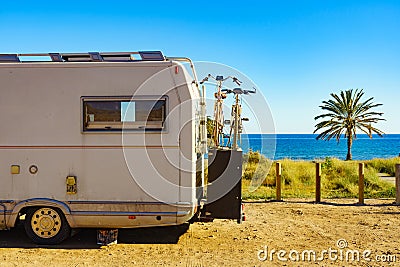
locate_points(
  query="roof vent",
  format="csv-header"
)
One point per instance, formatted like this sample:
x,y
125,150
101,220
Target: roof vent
x,y
9,58
56,57
152,56
95,56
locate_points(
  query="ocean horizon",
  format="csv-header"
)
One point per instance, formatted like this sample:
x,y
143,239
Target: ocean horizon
x,y
306,147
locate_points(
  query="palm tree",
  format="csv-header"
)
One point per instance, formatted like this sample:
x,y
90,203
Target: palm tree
x,y
346,114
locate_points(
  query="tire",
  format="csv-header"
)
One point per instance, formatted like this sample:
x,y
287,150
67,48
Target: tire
x,y
46,226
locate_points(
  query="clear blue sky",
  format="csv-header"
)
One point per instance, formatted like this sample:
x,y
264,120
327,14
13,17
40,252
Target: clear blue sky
x,y
297,52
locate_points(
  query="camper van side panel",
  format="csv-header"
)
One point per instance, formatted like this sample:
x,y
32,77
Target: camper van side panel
x,y
42,133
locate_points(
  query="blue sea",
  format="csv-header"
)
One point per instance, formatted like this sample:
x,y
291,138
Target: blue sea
x,y
305,146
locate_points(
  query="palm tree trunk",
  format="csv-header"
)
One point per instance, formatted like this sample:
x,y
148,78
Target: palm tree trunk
x,y
349,144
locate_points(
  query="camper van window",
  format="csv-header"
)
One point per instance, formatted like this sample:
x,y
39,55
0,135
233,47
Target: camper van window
x,y
117,115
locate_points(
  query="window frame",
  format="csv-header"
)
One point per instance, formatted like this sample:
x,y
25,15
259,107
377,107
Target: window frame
x,y
86,130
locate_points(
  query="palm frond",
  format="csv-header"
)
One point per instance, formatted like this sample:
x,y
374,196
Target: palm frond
x,y
345,113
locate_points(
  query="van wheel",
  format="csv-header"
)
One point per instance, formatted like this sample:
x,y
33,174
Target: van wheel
x,y
46,226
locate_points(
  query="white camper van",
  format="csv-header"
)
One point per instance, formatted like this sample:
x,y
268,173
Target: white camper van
x,y
107,140
99,140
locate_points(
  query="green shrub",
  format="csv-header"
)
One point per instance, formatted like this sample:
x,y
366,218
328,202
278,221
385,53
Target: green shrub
x,y
255,166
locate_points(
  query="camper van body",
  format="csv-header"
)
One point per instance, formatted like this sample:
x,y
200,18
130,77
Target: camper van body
x,y
60,155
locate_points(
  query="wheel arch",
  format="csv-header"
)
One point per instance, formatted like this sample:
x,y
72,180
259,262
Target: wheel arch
x,y
40,202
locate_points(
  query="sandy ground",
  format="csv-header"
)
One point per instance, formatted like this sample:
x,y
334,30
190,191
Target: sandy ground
x,y
293,226
388,178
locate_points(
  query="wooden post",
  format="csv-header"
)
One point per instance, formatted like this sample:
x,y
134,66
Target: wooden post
x,y
317,182
278,182
361,183
397,184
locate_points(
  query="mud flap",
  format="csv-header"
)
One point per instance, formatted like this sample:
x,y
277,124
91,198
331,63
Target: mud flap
x,y
224,189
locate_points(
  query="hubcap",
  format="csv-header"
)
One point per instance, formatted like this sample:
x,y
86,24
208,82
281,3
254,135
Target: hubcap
x,y
46,223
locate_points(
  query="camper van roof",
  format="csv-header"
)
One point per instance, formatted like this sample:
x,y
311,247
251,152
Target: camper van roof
x,y
84,57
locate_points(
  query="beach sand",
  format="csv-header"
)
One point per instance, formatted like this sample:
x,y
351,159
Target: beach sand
x,y
294,225
387,177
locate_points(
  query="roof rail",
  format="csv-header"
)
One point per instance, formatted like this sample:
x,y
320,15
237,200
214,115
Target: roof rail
x,y
84,57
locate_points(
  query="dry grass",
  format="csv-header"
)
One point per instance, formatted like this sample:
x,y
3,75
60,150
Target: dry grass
x,y
339,178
